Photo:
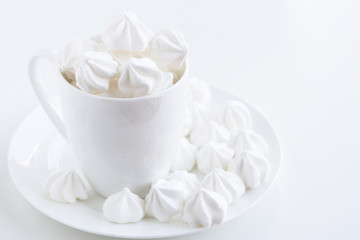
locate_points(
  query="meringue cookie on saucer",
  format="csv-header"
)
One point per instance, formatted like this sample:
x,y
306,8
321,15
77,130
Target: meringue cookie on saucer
x,y
165,200
235,115
210,131
185,158
94,71
141,77
200,92
71,52
66,186
248,140
195,116
124,207
205,208
251,167
127,33
185,131
214,155
189,181
227,184
168,49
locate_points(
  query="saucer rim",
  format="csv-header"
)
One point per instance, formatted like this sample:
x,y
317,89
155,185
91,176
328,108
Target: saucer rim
x,y
186,231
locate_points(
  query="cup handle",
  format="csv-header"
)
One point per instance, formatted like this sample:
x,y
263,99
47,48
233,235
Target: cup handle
x,y
52,108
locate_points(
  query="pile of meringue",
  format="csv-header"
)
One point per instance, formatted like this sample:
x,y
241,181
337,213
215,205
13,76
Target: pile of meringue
x,y
128,60
219,159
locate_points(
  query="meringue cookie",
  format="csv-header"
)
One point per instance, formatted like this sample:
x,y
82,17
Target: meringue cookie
x,y
227,184
211,131
252,168
200,92
165,200
205,208
168,49
141,77
248,140
189,181
127,33
113,91
185,131
186,156
71,52
124,207
234,115
195,116
214,155
66,186
94,71
121,57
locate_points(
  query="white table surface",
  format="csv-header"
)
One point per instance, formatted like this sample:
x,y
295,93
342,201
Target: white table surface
x,y
298,62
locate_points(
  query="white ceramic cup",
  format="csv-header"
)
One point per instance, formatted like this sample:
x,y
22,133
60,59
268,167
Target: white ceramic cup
x,y
119,142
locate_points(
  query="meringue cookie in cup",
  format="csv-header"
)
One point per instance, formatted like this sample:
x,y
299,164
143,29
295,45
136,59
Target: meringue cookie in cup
x,y
141,73
141,77
168,49
94,71
71,52
127,33
121,57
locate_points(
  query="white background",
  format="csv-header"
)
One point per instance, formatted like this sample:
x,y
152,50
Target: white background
x,y
298,62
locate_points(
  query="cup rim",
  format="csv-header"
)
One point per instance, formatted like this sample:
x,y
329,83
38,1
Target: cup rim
x,y
65,83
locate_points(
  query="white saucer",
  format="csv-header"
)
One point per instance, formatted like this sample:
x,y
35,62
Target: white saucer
x,y
37,149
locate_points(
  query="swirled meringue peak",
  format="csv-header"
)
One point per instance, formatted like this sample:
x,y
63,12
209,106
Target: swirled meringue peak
x,y
121,57
200,92
227,184
124,207
189,181
247,140
71,52
205,208
165,200
186,156
195,116
252,168
168,49
66,186
214,155
148,63
141,77
127,33
234,115
94,71
210,131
